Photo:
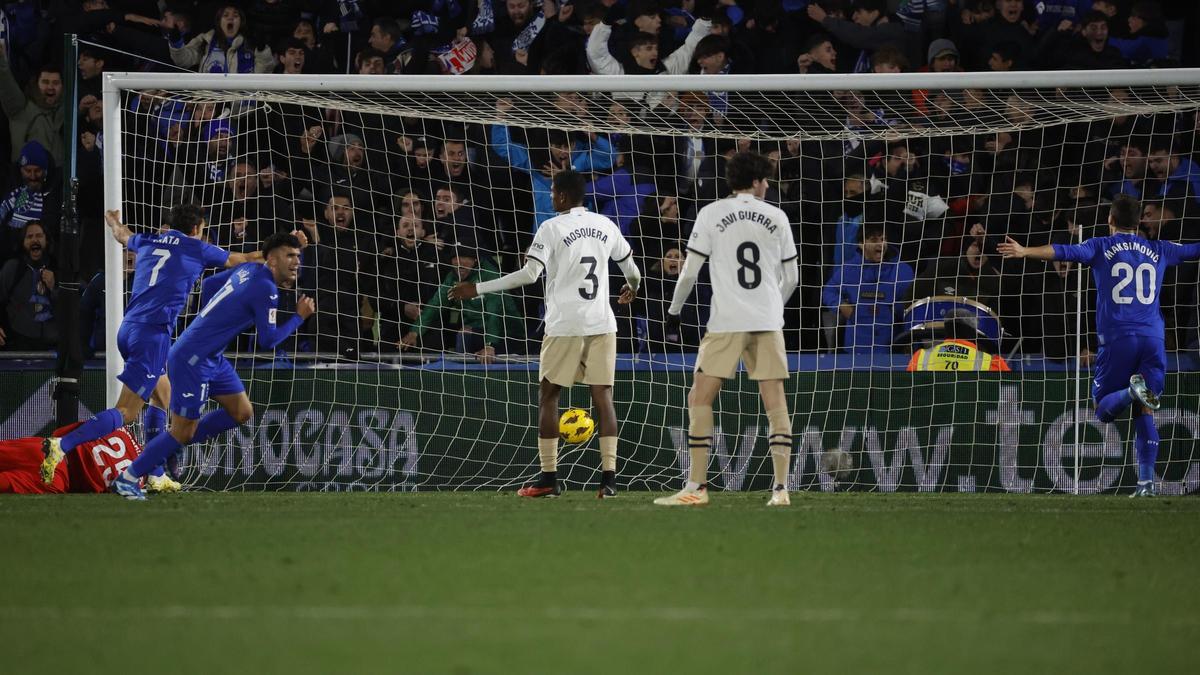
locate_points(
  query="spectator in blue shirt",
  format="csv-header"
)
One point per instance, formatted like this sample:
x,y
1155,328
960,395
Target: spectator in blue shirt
x,y
541,164
865,291
1147,40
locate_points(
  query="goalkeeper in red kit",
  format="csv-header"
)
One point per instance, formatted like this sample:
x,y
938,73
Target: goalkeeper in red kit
x,y
89,469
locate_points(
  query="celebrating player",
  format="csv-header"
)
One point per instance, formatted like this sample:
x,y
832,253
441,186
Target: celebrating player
x,y
90,468
234,300
753,267
574,248
168,264
1132,358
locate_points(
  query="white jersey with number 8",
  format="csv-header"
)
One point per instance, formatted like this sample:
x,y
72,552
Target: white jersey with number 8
x,y
575,248
746,241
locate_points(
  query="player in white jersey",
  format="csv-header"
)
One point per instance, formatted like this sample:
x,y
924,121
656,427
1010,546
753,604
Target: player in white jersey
x,y
752,261
573,248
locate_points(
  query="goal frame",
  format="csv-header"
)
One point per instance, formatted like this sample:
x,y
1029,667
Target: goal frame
x,y
115,83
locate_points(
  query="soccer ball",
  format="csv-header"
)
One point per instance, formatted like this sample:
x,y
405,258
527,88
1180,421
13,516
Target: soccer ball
x,y
576,426
837,463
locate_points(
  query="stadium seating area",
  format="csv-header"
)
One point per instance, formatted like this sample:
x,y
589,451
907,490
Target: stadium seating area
x,y
397,207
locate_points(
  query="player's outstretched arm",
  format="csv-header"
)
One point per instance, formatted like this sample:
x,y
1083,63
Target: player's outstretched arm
x,y
687,279
120,231
522,277
236,259
1009,248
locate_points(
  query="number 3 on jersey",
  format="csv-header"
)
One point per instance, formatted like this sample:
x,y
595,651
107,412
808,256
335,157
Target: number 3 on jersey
x,y
1143,279
584,292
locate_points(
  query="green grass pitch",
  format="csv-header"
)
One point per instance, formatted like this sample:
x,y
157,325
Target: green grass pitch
x,y
489,583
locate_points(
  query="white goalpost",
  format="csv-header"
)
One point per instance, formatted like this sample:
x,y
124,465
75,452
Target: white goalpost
x,y
407,183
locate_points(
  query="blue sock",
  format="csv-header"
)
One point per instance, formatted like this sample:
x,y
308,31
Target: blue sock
x,y
155,452
102,424
154,422
215,422
1109,407
1146,445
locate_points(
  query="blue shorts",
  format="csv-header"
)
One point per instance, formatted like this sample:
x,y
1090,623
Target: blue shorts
x,y
193,383
144,347
1125,357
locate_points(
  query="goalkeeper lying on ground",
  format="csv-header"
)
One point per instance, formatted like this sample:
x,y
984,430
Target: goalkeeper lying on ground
x,y
89,469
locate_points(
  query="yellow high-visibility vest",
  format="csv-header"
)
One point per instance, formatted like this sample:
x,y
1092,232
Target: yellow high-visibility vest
x,y
956,355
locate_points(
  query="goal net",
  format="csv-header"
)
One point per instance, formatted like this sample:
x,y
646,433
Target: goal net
x,y
898,188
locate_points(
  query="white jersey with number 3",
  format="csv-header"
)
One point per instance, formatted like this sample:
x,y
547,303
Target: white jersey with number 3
x,y
746,241
575,248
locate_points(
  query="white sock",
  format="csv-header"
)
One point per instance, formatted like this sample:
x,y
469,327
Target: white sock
x,y
128,476
691,485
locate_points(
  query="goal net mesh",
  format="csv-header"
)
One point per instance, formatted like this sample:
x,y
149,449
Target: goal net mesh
x,y
393,387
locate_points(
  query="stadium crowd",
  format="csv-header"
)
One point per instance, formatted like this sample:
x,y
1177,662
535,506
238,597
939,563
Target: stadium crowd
x,y
398,209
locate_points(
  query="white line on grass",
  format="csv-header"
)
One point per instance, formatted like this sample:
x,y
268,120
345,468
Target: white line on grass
x,y
816,615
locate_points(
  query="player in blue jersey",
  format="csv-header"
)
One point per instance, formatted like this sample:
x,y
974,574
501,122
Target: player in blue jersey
x,y
234,300
1131,363
168,264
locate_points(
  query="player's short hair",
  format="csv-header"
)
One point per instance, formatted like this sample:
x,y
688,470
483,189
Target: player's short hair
x,y
279,240
1125,213
185,217
746,167
571,185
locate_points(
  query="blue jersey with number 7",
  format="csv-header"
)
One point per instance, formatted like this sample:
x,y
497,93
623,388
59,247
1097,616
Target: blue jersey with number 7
x,y
167,267
1128,271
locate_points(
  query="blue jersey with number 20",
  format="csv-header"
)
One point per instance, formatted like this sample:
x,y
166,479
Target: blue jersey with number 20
x,y
1128,271
167,267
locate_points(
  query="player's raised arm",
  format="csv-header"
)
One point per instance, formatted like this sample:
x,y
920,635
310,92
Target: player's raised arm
x,y
1178,253
236,259
522,277
120,231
